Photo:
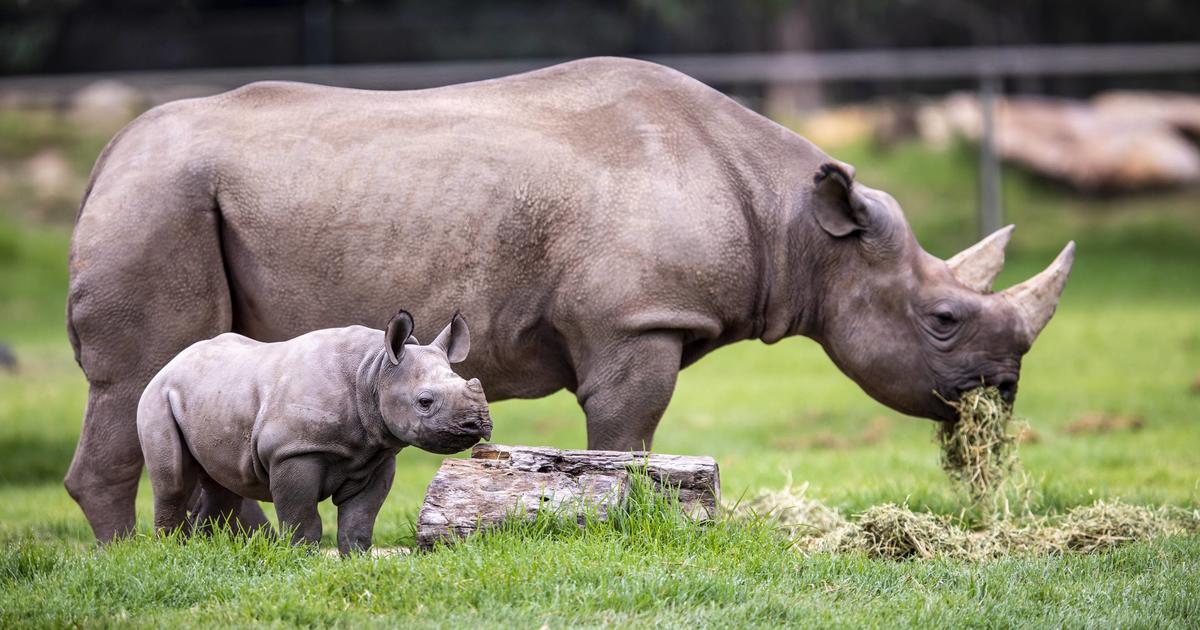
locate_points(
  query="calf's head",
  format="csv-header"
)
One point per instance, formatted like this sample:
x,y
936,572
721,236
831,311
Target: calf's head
x,y
422,401
912,329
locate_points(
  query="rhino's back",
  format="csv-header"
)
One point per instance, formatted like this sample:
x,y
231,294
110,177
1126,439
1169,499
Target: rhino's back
x,y
598,194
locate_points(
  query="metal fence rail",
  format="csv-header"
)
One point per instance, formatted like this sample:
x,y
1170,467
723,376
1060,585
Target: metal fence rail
x,y
873,65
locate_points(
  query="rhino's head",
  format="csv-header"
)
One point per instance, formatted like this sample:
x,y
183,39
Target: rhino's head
x,y
904,324
422,401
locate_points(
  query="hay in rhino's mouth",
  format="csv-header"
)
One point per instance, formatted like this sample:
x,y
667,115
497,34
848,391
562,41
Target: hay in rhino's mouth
x,y
979,452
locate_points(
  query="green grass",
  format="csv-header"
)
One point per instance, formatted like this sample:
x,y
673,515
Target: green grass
x,y
1126,340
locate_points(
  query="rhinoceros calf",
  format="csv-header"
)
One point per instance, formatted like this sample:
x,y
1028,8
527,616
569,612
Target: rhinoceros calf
x,y
295,422
603,223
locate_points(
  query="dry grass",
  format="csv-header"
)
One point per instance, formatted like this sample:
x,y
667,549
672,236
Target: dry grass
x,y
895,532
979,455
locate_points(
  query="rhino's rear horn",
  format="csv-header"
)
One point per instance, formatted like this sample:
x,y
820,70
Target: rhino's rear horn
x,y
1037,297
977,266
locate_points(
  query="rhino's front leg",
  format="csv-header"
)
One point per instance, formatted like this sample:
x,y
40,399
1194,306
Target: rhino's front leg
x,y
625,386
296,490
356,515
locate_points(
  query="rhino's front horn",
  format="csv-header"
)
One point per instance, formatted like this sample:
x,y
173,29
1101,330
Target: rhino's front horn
x,y
1037,297
977,266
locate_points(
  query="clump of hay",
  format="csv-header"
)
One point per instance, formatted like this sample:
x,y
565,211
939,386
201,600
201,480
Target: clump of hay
x,y
979,453
892,531
806,522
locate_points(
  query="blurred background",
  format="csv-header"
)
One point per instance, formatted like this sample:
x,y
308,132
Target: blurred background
x,y
1072,120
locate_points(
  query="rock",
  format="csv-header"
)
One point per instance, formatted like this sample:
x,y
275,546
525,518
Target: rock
x,y
1181,111
8,358
1088,147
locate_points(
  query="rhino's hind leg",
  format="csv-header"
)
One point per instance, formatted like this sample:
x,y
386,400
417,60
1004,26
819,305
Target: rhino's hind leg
x,y
147,280
249,519
625,387
104,474
172,469
219,507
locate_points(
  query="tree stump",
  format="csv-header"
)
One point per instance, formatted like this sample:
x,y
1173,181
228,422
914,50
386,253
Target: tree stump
x,y
502,481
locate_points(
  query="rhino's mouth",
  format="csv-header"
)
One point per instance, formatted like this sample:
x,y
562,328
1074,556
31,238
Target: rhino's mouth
x,y
473,422
1006,383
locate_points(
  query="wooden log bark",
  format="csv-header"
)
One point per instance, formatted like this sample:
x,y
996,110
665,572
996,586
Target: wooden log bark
x,y
502,481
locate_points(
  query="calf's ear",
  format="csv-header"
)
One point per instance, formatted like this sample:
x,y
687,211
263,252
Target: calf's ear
x,y
839,208
398,331
455,339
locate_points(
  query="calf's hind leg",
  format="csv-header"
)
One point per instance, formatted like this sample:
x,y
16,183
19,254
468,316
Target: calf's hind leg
x,y
172,469
218,506
250,516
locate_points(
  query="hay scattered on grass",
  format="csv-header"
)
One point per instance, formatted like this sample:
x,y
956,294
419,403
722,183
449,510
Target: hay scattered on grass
x,y
979,455
895,532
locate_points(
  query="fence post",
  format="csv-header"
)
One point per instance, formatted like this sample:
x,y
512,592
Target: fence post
x,y
989,163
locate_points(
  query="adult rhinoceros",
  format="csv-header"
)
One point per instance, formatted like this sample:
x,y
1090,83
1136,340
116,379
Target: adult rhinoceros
x,y
601,223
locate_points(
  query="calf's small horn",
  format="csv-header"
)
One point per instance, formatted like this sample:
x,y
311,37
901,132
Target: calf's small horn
x,y
978,265
1037,297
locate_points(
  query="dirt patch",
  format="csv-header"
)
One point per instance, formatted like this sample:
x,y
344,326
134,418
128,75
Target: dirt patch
x,y
1096,422
873,433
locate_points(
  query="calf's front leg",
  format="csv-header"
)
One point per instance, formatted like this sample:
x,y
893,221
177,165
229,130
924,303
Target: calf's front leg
x,y
357,514
296,491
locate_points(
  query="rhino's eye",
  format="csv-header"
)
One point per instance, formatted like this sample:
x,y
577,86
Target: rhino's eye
x,y
944,322
424,401
945,318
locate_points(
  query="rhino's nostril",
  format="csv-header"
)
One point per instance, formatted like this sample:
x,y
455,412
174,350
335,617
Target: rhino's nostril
x,y
1008,390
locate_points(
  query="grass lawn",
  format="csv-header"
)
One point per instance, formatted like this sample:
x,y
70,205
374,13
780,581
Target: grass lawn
x,y
1126,341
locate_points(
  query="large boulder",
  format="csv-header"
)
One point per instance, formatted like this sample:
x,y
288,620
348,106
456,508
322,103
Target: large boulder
x,y
1112,147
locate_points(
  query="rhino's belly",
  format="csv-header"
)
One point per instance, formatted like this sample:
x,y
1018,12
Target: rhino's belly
x,y
299,283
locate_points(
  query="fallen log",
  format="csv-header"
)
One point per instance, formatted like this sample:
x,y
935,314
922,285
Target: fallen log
x,y
499,482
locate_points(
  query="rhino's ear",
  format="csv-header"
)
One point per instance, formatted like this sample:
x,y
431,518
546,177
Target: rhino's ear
x,y
455,339
838,207
398,332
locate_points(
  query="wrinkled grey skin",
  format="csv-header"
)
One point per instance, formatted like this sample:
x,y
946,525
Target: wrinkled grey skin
x,y
296,422
603,223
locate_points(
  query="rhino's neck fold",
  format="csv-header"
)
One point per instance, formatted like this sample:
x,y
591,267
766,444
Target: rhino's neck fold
x,y
790,262
366,400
